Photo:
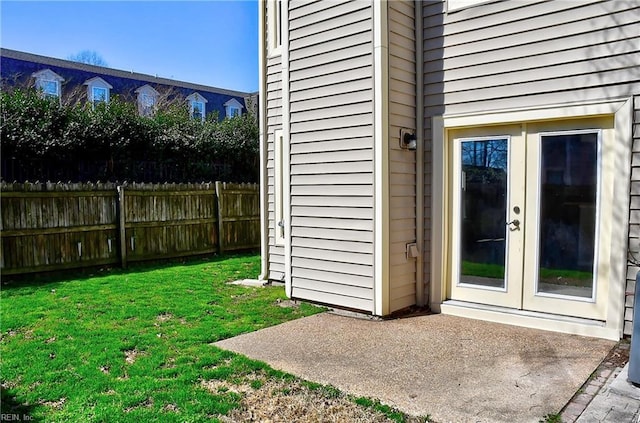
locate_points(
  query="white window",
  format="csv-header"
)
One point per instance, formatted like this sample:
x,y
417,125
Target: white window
x,y
278,188
99,95
197,110
98,90
274,26
233,108
48,83
147,100
197,106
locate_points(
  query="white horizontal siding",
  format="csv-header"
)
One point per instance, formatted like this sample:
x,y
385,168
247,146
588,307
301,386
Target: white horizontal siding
x,y
328,276
336,300
634,220
332,223
329,90
359,24
275,254
331,168
347,146
333,191
348,179
332,234
338,246
402,163
359,213
331,288
505,55
324,16
322,114
506,61
331,202
545,53
350,269
334,256
331,154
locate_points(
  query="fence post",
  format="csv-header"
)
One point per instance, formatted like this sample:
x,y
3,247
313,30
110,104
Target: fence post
x,y
122,228
219,190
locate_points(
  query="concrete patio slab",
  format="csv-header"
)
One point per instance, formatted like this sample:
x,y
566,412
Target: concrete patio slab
x,y
451,368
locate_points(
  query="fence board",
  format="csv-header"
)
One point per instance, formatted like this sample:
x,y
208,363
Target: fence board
x,y
61,226
239,216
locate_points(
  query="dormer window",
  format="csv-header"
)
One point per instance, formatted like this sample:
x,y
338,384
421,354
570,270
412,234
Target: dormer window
x,y
98,90
197,106
233,108
48,83
147,100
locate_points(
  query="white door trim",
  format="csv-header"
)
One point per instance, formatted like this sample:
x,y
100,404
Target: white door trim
x,y
286,150
622,109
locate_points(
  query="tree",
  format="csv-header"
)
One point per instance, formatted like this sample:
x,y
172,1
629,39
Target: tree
x,y
89,57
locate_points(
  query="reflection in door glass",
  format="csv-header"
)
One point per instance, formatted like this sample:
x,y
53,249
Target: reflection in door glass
x,y
483,211
567,214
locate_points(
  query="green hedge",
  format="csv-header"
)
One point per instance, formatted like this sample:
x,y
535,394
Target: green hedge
x,y
34,129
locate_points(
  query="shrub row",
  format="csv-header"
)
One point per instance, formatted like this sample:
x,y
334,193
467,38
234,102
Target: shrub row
x,y
34,129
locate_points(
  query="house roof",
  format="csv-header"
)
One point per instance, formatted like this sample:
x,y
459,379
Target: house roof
x,y
45,60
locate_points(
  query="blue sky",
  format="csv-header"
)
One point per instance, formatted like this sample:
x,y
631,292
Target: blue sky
x,y
207,42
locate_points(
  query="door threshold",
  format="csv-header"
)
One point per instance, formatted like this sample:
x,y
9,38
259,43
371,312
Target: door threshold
x,y
531,319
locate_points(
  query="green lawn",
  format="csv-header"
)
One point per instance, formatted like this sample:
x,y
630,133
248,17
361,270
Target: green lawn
x,y
133,346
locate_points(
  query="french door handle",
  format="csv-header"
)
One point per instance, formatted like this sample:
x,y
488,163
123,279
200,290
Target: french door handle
x,y
514,222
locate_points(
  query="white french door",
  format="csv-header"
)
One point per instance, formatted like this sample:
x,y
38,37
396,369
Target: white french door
x,y
526,211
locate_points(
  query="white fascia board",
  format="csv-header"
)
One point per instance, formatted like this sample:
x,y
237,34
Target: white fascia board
x,y
264,222
381,152
286,143
147,89
47,74
233,103
196,97
547,112
96,81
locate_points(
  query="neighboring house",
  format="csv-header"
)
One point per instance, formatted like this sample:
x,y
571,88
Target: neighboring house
x,y
471,156
60,78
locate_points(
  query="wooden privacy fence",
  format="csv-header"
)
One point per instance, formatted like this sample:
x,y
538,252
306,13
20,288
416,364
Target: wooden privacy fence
x,y
53,226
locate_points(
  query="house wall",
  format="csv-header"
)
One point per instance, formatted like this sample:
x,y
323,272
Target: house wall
x,y
634,221
331,152
274,122
519,55
402,163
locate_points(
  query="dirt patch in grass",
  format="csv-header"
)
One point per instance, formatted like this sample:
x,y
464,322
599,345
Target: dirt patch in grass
x,y
163,317
222,386
147,403
287,303
55,404
170,408
130,356
277,400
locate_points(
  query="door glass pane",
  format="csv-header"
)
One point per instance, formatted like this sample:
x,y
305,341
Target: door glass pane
x,y
483,212
567,214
